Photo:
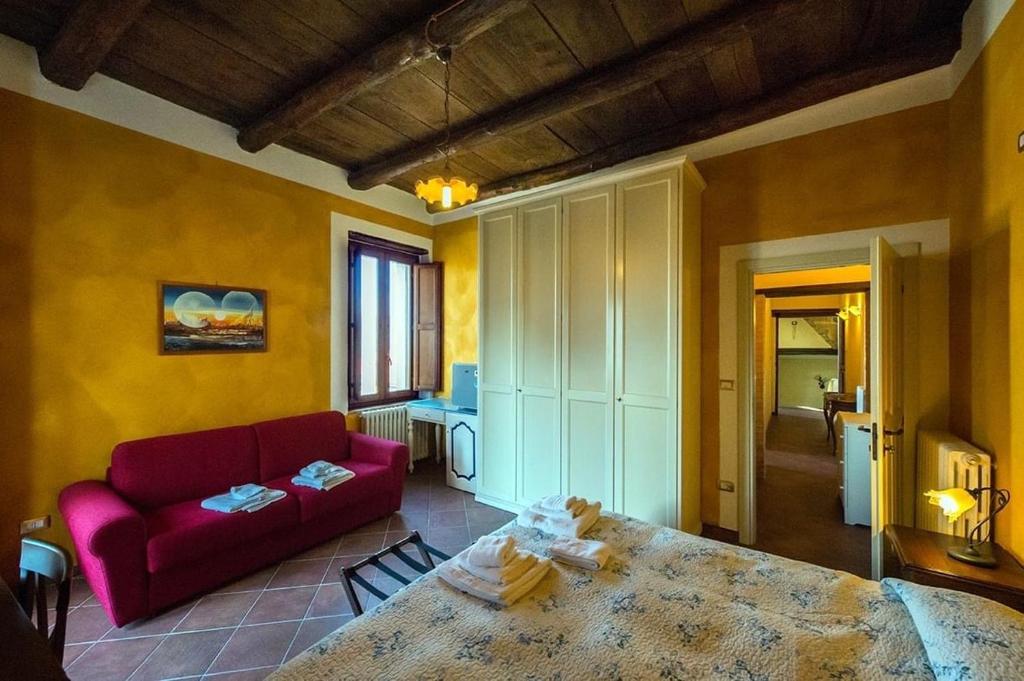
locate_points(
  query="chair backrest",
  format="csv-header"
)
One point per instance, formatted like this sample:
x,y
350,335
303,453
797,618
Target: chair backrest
x,y
43,563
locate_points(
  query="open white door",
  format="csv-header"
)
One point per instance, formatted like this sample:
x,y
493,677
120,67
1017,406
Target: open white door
x,y
886,392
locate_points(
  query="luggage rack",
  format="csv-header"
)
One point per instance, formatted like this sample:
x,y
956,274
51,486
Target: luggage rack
x,y
349,573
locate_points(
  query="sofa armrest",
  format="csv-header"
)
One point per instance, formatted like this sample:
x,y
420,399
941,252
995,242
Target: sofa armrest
x,y
110,538
394,455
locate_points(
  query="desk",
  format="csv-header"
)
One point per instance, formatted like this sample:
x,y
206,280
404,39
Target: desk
x,y
460,426
24,655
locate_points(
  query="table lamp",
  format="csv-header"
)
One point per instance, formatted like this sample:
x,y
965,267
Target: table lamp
x,y
956,501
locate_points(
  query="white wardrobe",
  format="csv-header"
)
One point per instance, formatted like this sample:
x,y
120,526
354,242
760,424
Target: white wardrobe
x,y
589,346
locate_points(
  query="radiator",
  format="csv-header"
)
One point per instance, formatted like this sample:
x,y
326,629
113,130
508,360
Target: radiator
x,y
390,423
944,461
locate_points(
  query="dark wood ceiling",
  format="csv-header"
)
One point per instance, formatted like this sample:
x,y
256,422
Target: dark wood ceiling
x,y
235,60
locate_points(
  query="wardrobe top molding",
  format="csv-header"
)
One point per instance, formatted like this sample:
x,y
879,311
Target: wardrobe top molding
x,y
626,171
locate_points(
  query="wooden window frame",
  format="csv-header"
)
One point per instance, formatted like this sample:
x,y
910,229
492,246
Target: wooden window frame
x,y
386,253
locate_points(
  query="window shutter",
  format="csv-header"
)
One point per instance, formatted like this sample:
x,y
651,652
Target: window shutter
x,y
427,292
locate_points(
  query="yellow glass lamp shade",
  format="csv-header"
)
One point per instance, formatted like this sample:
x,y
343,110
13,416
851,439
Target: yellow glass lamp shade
x,y
954,501
445,194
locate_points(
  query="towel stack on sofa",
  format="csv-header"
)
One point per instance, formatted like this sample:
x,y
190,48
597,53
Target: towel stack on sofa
x,y
248,497
561,515
322,475
495,569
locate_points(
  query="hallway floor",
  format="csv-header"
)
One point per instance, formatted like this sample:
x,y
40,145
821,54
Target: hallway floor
x,y
799,514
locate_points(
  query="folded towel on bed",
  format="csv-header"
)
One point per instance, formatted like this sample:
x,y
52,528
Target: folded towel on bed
x,y
585,553
537,518
561,506
506,595
228,503
492,550
506,574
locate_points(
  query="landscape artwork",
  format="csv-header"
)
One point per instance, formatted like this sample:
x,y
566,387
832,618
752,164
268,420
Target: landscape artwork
x,y
205,318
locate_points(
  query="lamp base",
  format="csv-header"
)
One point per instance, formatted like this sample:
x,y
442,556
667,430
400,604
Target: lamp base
x,y
975,554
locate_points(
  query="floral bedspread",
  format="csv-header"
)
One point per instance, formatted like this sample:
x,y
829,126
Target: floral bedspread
x,y
668,606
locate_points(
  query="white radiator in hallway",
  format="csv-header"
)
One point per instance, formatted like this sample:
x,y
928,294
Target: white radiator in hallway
x,y
944,461
390,423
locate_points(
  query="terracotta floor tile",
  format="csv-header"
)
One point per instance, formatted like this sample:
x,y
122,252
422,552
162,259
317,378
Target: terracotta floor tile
x,y
247,675
455,518
361,543
181,655
325,550
375,527
161,624
112,660
448,536
330,601
406,521
312,630
86,624
219,610
300,573
278,605
256,646
333,575
254,582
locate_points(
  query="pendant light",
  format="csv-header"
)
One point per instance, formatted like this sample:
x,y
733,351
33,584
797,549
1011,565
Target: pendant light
x,y
445,191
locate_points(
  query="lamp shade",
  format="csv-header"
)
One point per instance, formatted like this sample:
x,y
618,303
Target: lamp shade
x,y
954,501
444,194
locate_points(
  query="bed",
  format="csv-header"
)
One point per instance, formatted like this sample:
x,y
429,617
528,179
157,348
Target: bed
x,y
675,606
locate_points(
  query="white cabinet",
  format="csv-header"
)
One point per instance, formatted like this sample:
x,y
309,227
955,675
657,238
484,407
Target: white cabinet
x,y
461,460
854,431
581,307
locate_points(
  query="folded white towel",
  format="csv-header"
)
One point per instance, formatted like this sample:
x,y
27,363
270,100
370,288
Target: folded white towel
x,y
561,502
247,491
585,553
265,499
324,484
503,575
318,469
506,595
492,550
537,518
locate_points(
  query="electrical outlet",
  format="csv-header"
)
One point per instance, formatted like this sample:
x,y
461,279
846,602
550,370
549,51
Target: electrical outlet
x,y
34,524
726,485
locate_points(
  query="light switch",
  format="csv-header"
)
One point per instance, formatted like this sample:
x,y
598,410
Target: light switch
x,y
726,384
726,485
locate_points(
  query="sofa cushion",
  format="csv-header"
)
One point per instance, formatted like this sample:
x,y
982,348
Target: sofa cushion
x,y
166,470
185,533
286,445
371,480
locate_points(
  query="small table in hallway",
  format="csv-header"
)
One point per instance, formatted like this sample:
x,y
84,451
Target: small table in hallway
x,y
833,403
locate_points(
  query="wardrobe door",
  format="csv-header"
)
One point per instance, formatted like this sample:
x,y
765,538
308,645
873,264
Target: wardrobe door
x,y
646,330
497,399
539,365
588,301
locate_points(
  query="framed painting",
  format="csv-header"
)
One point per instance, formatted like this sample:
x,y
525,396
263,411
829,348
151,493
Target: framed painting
x,y
198,318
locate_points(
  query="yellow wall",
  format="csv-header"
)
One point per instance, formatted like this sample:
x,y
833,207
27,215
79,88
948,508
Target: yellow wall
x,y
93,216
987,265
455,244
887,170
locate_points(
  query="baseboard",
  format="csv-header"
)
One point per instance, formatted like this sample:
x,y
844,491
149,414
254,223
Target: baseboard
x,y
503,504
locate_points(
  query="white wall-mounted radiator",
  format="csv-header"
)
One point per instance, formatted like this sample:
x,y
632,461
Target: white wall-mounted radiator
x,y
390,423
944,461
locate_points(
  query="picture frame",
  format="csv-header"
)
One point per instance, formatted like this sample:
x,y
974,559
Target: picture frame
x,y
210,318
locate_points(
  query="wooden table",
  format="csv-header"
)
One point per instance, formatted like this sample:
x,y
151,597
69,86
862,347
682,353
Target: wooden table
x,y
834,403
24,654
919,556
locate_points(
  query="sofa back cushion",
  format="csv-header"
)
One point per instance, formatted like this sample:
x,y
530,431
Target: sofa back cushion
x,y
288,444
159,471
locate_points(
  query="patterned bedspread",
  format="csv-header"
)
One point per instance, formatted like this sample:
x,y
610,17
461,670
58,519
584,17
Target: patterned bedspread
x,y
668,606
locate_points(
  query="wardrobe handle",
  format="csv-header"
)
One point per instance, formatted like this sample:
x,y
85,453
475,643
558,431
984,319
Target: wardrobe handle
x,y
618,399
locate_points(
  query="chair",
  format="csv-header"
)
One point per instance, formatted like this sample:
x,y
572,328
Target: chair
x,y
43,563
349,574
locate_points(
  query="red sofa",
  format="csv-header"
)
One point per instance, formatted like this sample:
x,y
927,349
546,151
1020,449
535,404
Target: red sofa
x,y
144,543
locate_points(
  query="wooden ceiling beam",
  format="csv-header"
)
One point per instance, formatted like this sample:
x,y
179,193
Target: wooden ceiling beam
x,y
628,75
931,51
380,63
86,38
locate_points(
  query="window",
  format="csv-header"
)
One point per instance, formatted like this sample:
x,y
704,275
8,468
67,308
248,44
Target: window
x,y
380,321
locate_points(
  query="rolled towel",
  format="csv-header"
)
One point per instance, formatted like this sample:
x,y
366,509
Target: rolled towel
x,y
492,551
317,469
503,575
247,491
584,553
537,518
453,574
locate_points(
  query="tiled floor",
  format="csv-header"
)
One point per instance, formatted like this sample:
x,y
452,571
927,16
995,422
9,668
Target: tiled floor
x,y
246,630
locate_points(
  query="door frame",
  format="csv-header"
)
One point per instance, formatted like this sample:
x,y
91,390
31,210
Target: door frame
x,y
737,266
